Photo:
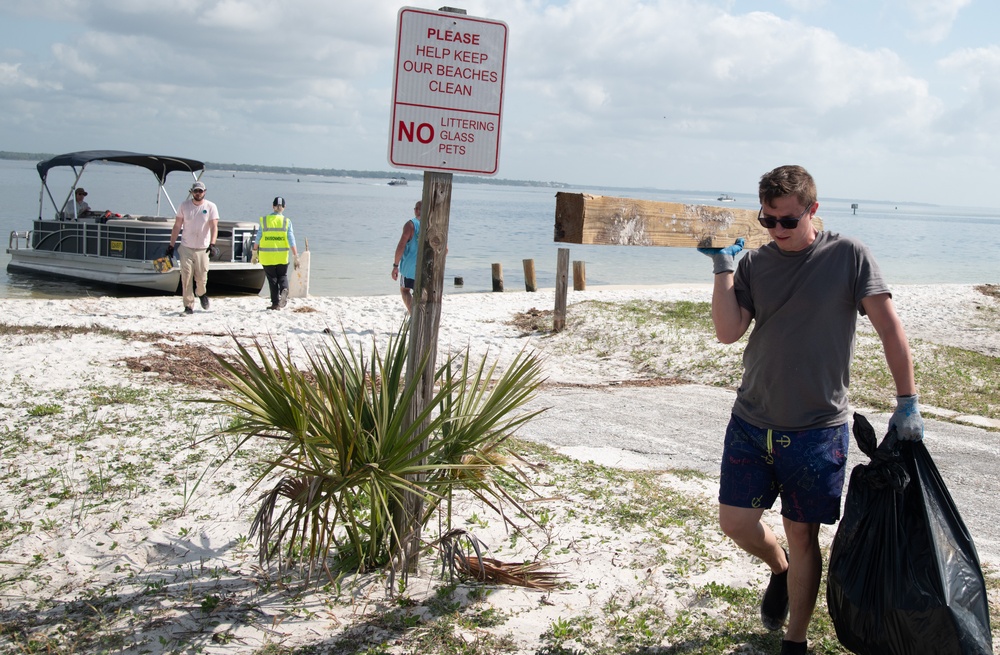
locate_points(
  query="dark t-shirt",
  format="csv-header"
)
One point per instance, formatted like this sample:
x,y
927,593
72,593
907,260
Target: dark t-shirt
x,y
796,366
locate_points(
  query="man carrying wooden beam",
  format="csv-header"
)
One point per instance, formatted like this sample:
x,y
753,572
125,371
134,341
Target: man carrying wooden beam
x,y
788,434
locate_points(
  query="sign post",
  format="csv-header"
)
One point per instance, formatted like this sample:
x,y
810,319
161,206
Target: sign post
x,y
446,105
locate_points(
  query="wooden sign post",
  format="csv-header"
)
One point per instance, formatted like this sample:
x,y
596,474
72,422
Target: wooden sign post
x,y
443,126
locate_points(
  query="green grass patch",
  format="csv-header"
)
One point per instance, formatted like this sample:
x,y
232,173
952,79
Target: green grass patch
x,y
44,409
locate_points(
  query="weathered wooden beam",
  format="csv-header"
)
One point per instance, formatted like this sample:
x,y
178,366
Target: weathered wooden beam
x,y
607,220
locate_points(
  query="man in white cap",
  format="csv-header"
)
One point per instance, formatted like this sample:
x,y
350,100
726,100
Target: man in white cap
x,y
199,219
76,206
274,239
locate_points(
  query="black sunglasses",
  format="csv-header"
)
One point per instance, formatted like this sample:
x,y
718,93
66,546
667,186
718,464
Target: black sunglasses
x,y
788,223
197,191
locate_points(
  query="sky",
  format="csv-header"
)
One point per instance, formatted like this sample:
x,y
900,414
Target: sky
x,y
879,99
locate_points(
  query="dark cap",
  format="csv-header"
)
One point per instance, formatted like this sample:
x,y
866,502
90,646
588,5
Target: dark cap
x,y
279,201
80,191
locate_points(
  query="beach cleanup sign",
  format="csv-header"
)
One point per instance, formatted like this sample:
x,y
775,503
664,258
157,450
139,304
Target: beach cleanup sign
x,y
447,93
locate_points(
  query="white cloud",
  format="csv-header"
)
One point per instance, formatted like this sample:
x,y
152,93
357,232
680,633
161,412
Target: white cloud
x,y
12,76
934,18
646,92
806,5
978,72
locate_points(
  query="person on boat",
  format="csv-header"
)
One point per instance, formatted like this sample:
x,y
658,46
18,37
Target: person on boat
x,y
788,434
76,206
404,264
275,239
197,223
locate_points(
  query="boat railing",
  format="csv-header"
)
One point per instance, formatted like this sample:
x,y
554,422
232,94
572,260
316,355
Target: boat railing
x,y
19,238
95,239
126,240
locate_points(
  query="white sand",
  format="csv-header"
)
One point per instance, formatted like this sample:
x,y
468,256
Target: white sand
x,y
95,502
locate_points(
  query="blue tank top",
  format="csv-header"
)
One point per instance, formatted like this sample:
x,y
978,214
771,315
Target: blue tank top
x,y
408,262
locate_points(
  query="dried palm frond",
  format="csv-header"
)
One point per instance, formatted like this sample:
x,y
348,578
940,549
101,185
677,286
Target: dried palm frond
x,y
456,560
520,574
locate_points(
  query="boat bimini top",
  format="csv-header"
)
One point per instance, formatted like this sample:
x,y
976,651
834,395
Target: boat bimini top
x,y
159,165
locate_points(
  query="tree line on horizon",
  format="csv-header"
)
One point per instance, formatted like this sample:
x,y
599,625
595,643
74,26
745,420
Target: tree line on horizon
x,y
326,172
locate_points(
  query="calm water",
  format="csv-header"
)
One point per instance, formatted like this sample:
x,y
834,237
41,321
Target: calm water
x,y
352,226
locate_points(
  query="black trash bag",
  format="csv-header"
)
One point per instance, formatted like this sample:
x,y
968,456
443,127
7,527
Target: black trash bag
x,y
904,574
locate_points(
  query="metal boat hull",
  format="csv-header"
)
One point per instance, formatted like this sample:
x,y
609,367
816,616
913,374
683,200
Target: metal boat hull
x,y
81,267
120,252
222,276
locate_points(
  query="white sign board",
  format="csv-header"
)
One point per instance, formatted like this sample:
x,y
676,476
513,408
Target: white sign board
x,y
448,92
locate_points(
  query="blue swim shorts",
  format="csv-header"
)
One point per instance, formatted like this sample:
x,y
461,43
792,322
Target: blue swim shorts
x,y
806,468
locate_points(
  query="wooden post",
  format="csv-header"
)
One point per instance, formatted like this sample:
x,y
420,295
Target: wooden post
x,y
497,277
562,275
425,321
579,275
529,275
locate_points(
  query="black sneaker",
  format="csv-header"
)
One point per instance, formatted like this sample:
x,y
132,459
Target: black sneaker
x,y
189,310
282,297
794,647
204,301
275,307
774,606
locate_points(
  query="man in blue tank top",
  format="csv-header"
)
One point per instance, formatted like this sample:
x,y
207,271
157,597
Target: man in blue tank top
x,y
788,434
404,264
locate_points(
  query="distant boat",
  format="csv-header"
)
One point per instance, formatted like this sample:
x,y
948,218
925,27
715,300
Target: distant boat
x,y
725,197
397,181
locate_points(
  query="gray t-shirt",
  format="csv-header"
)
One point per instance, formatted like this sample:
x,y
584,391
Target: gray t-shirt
x,y
796,366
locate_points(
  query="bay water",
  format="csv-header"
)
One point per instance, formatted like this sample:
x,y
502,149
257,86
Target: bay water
x,y
352,226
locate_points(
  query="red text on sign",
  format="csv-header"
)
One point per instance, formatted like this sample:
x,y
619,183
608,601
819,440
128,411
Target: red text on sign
x,y
454,37
432,52
411,66
424,132
450,88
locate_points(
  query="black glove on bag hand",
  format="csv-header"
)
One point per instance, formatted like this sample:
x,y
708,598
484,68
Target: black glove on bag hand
x,y
170,252
213,251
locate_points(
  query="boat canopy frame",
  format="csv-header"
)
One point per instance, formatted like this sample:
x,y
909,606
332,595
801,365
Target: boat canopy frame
x,y
159,165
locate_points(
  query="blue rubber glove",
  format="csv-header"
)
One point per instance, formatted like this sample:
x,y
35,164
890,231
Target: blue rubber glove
x,y
907,420
723,258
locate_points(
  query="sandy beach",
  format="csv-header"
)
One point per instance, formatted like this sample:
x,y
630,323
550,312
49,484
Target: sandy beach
x,y
115,508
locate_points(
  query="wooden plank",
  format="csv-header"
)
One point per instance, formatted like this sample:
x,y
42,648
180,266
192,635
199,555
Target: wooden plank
x,y
298,278
607,220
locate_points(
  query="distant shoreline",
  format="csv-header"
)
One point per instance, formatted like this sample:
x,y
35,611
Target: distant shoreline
x,y
325,172
464,179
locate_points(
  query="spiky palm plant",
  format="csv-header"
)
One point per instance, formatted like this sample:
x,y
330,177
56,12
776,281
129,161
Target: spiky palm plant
x,y
347,453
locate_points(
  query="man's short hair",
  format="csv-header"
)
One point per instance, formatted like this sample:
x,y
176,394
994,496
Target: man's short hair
x,y
787,181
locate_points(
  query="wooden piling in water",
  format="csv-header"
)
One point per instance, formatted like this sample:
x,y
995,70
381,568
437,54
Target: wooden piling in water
x,y
579,275
497,277
529,275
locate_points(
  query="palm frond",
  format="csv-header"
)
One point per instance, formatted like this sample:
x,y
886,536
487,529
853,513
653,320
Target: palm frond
x,y
457,559
349,453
